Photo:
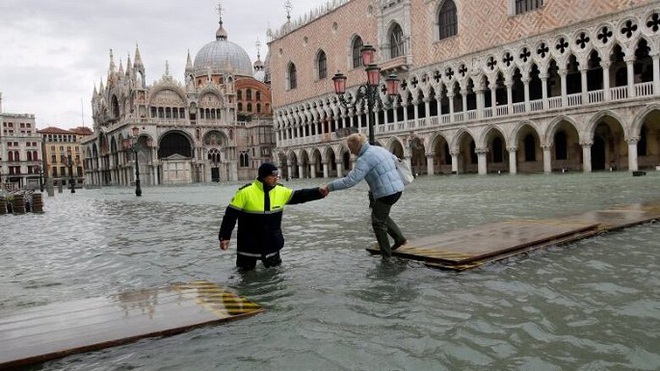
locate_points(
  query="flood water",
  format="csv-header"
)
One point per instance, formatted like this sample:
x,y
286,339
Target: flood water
x,y
589,305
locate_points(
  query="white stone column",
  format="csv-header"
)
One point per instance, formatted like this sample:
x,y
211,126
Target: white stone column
x,y
633,164
509,96
631,75
586,156
583,77
480,104
312,169
450,96
482,160
454,161
525,81
544,88
513,163
289,172
301,171
326,170
340,169
493,97
564,95
656,76
605,64
429,164
547,158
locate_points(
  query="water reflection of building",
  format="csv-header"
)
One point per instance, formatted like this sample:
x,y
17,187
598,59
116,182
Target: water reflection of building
x,y
512,86
215,126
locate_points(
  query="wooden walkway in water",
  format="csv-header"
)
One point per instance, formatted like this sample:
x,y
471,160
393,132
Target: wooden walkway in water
x,y
43,333
472,247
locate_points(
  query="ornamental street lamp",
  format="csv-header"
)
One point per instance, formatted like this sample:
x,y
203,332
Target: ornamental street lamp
x,y
40,170
72,182
132,143
368,91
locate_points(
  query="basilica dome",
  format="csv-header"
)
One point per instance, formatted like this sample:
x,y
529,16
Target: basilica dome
x,y
222,56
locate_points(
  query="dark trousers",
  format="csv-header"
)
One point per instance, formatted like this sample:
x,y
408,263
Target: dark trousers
x,y
249,263
383,225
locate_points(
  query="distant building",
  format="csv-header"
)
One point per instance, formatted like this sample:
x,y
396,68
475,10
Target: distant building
x,y
486,86
216,125
20,151
58,145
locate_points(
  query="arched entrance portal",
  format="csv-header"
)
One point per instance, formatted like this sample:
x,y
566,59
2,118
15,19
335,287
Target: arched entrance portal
x,y
175,155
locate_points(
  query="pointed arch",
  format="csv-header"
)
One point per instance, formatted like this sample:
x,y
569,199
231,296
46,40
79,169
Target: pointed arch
x,y
291,76
396,40
356,52
447,20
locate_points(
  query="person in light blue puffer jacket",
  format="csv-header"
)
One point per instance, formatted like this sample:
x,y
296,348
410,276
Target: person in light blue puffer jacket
x,y
377,166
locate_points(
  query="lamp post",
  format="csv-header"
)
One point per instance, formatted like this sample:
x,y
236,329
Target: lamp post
x,y
368,91
41,177
132,143
72,183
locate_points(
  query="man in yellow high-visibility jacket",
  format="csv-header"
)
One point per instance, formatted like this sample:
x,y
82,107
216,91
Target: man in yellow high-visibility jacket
x,y
258,208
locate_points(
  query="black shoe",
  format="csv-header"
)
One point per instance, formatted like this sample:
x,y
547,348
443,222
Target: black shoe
x,y
398,244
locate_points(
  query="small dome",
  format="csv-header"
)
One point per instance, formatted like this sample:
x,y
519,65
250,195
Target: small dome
x,y
260,75
222,56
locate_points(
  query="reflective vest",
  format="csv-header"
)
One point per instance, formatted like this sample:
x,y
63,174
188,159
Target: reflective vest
x,y
251,198
259,220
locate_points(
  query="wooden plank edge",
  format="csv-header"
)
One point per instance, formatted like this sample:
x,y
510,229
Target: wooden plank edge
x,y
561,242
452,265
12,364
605,227
531,244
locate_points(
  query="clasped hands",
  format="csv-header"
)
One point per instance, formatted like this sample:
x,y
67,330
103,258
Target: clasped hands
x,y
324,190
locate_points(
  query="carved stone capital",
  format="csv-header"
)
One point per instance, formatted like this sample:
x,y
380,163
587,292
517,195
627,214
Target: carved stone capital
x,y
632,140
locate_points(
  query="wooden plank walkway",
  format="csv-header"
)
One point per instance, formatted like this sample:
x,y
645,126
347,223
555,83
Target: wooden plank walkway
x,y
470,248
43,333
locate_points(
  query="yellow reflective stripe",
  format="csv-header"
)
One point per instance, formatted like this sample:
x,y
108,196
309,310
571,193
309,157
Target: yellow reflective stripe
x,y
251,198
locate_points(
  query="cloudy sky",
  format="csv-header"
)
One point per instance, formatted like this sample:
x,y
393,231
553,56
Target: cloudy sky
x,y
54,52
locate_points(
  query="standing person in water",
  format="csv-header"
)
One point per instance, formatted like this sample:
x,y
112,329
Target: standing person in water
x,y
258,208
377,166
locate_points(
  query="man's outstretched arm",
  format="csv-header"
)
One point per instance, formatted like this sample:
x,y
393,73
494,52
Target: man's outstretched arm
x,y
307,194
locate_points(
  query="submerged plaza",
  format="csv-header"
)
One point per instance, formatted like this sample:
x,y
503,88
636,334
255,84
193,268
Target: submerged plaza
x,y
591,304
515,110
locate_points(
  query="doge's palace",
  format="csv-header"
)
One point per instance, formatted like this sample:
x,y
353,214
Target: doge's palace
x,y
485,86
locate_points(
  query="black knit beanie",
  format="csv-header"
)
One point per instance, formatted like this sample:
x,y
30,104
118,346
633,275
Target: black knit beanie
x,y
267,169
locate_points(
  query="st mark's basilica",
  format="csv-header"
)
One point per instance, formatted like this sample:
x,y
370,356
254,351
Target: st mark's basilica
x,y
214,126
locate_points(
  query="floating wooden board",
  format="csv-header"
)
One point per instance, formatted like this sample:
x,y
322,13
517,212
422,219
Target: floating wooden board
x,y
43,333
470,248
467,246
621,217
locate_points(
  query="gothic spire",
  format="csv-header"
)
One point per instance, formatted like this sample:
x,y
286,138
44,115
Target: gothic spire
x,y
129,68
189,65
111,70
138,59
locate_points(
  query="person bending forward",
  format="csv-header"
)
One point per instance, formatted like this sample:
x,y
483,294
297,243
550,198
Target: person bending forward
x,y
377,166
